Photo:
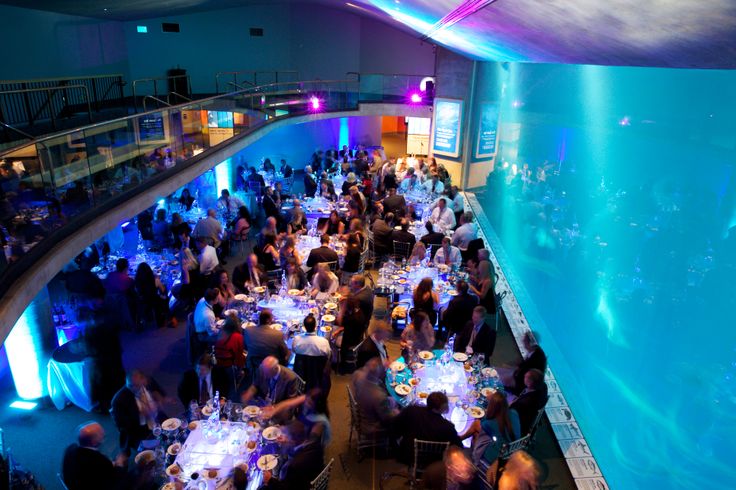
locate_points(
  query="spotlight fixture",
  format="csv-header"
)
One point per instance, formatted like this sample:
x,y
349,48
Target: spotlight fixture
x,y
415,98
314,103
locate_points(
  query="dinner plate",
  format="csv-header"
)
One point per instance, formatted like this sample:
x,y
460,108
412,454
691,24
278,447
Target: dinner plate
x,y
248,324
144,457
172,485
402,389
206,411
417,366
193,425
413,382
253,424
295,292
174,449
211,473
328,318
468,368
259,289
171,424
397,366
240,297
252,411
487,391
330,306
402,281
486,371
452,292
472,380
271,433
267,462
395,278
425,355
276,326
174,470
230,312
460,356
422,395
249,299
476,412
326,329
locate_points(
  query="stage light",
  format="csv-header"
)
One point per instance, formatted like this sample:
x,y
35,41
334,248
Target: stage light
x,y
516,104
625,121
25,355
314,103
23,405
415,98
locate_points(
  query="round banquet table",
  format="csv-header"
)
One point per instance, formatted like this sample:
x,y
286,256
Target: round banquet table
x,y
69,377
462,386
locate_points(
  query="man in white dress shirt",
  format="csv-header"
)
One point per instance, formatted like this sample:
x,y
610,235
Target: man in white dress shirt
x,y
205,321
465,233
442,216
448,254
309,343
208,261
229,205
210,228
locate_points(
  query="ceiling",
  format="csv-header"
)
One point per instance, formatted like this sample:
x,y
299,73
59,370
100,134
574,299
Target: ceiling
x,y
673,33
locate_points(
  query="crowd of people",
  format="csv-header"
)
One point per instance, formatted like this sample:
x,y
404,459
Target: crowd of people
x,y
255,362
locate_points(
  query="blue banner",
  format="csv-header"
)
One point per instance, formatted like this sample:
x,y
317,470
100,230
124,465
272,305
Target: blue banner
x,y
447,119
486,145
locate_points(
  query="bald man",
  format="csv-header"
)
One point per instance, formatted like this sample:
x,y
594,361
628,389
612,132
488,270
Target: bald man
x,y
85,468
273,384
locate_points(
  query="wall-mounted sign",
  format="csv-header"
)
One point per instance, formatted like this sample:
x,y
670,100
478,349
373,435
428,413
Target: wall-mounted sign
x,y
448,116
487,127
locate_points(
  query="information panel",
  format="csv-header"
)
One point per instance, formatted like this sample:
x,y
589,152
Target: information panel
x,y
486,145
447,119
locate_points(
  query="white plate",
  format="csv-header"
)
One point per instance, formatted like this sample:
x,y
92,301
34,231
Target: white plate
x,y
174,449
326,329
271,433
330,306
248,299
267,462
397,366
328,318
276,326
402,389
452,292
476,412
193,425
248,324
487,392
206,411
295,292
170,485
210,474
174,470
460,356
241,297
145,456
259,289
171,424
230,312
425,355
252,411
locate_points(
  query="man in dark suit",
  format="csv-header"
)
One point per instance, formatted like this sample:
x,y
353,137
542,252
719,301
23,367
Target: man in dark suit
x,y
459,310
432,237
536,359
360,291
249,274
305,461
84,467
202,382
262,341
382,230
323,253
140,399
477,337
373,345
530,400
254,176
394,203
275,384
403,235
286,169
426,424
310,183
270,206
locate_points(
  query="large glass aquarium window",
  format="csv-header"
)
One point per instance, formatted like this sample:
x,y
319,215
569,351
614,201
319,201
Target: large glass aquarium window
x,y
614,197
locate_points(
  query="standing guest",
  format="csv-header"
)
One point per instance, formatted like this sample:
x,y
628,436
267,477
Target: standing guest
x,y
273,384
249,274
448,254
352,254
136,409
161,230
241,182
478,337
268,166
425,299
256,178
118,281
484,287
374,345
377,408
205,320
262,341
500,425
417,336
465,233
286,169
242,224
356,228
352,325
278,193
271,207
295,276
324,282
84,467
210,229
459,310
152,293
424,423
305,461
442,216
310,183
532,399
185,199
364,294
394,203
321,254
207,259
200,384
389,178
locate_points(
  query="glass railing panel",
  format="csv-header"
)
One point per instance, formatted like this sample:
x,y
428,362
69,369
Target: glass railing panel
x,y
66,157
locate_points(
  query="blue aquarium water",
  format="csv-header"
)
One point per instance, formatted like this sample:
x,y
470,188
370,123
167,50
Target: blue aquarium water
x,y
622,235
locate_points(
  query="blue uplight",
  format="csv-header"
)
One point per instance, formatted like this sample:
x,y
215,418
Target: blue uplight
x,y
24,349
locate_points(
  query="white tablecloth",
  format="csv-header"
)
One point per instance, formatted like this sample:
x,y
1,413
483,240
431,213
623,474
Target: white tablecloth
x,y
70,381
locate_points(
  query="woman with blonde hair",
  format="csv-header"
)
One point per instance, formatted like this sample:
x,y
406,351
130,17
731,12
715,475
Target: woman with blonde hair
x,y
324,282
288,251
485,287
500,425
418,253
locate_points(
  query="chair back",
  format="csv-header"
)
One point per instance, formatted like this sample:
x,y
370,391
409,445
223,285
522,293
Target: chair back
x,y
332,266
314,370
323,479
195,347
402,249
426,453
433,247
354,411
537,421
62,482
474,246
301,385
510,448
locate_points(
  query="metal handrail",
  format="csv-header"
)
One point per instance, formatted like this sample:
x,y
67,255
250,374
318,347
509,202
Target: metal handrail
x,y
154,98
54,89
22,133
239,87
168,97
155,85
60,79
177,106
255,76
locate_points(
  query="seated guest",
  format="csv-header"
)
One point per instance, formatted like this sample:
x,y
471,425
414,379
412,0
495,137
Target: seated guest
x,y
297,223
532,399
425,423
136,409
249,274
229,348
309,343
432,237
327,190
410,182
207,258
465,233
274,384
359,199
262,341
304,463
201,383
295,276
205,321
310,183
356,228
478,337
459,310
324,282
350,181
321,254
521,471
484,286
186,199
278,193
535,359
455,471
352,254
268,166
442,216
228,205
270,253
271,207
434,185
374,345
333,225
448,254
377,408
118,281
403,235
418,254
210,229
382,230
221,281
269,228
500,426
418,335
286,169
394,203
242,224
84,467
389,178
425,299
